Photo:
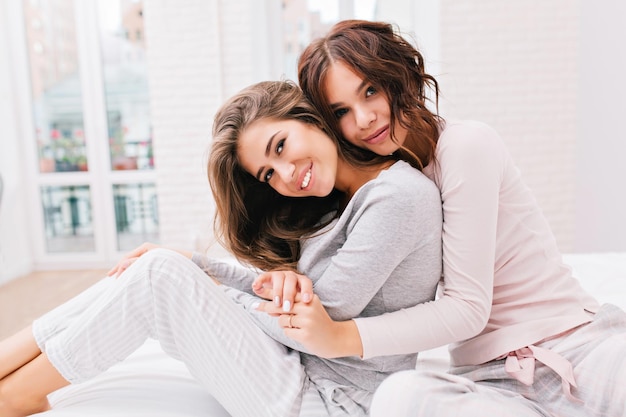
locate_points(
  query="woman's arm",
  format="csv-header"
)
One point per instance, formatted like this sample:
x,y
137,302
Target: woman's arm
x,y
227,271
389,235
389,238
310,326
223,271
472,162
391,218
471,165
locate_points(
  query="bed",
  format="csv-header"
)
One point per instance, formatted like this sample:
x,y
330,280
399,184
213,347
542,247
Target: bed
x,y
150,384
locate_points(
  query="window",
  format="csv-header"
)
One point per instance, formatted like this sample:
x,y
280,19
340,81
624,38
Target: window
x,y
67,218
91,124
55,86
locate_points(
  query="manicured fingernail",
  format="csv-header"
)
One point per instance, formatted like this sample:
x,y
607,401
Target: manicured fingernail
x,y
277,301
255,306
306,297
286,306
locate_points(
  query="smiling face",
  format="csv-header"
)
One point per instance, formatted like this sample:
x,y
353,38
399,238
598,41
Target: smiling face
x,y
363,113
295,158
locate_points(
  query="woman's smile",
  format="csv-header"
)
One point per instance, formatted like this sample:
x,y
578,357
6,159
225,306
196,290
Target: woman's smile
x,y
304,183
377,137
295,158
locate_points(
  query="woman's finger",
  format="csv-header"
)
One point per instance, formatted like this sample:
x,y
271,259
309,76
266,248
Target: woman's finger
x,y
306,288
124,266
264,292
132,255
290,289
269,308
288,321
278,280
296,288
262,286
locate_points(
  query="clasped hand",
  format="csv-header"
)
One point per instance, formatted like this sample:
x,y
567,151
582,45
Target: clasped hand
x,y
301,313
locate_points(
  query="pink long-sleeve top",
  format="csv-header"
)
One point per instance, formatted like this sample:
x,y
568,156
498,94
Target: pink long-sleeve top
x,y
505,286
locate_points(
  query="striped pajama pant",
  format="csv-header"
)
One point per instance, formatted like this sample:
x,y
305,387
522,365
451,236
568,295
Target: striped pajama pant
x,y
165,296
596,351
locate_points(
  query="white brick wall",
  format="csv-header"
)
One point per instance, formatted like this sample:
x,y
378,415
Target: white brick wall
x,y
510,64
199,53
514,65
184,58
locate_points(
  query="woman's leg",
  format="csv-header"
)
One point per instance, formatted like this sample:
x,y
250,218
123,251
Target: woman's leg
x,y
165,296
17,350
39,377
597,352
434,393
26,345
58,319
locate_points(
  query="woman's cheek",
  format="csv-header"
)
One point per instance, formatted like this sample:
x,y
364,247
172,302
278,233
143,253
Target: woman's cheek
x,y
347,134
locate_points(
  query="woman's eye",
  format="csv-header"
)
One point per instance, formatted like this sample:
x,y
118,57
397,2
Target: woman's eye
x,y
268,175
340,112
279,146
370,91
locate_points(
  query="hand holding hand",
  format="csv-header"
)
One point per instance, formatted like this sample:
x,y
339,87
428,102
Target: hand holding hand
x,y
310,325
281,287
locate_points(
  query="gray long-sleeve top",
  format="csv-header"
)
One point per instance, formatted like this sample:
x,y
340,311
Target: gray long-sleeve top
x,y
381,255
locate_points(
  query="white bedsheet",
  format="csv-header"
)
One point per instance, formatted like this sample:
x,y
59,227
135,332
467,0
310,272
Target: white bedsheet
x,y
149,384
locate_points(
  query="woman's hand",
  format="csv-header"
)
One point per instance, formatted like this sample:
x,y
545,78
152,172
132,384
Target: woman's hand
x,y
281,287
128,259
310,325
133,255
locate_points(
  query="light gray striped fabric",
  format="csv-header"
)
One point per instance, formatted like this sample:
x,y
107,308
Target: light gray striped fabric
x,y
597,352
368,263
165,296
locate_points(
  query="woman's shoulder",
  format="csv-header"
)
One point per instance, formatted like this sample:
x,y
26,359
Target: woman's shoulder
x,y
404,175
465,148
469,139
470,132
400,181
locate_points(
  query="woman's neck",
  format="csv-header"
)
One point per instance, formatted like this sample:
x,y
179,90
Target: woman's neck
x,y
350,178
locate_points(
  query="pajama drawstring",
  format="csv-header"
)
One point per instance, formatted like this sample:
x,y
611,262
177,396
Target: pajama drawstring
x,y
520,364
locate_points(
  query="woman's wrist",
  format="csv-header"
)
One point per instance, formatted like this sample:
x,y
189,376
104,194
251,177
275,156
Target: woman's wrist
x,y
349,339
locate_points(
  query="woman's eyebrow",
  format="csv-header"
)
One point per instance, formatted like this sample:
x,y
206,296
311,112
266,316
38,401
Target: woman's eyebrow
x,y
269,144
356,92
267,153
258,174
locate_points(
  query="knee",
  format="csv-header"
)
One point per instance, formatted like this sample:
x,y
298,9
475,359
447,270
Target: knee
x,y
163,268
396,394
156,259
160,255
419,393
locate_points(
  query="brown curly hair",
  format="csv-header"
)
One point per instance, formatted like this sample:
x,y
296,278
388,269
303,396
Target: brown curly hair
x,y
376,52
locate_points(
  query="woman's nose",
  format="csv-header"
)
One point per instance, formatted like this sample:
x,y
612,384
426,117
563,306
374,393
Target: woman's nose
x,y
285,172
364,117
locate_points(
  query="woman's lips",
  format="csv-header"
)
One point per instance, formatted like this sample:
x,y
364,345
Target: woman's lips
x,y
305,178
378,136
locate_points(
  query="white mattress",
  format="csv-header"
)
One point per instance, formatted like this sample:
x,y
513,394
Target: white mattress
x,y
149,384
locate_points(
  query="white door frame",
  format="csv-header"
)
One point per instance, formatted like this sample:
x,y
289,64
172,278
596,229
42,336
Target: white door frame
x,y
100,177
